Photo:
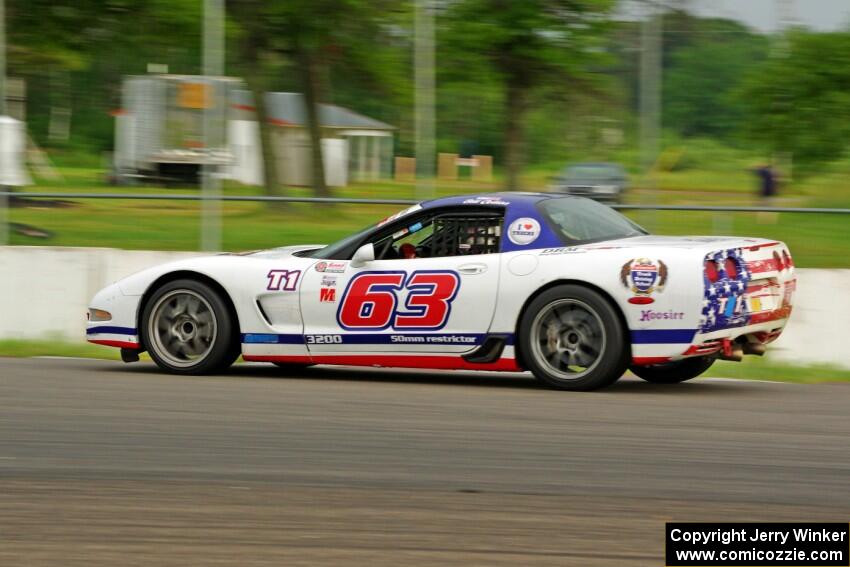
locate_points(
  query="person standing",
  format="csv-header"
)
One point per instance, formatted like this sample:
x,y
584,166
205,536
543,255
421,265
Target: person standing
x,y
767,190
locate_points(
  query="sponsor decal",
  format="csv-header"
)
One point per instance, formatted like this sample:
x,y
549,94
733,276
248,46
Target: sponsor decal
x,y
331,267
434,339
421,300
399,234
329,281
283,280
724,305
524,231
486,201
323,339
652,315
643,277
365,339
327,295
415,227
400,214
559,251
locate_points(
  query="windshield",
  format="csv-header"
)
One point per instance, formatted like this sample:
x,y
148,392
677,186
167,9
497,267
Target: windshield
x,y
332,251
339,249
581,221
592,172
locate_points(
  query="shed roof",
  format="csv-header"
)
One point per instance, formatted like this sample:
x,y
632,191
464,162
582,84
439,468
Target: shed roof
x,y
289,109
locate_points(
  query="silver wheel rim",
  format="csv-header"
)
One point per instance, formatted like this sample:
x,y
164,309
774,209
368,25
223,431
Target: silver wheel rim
x,y
568,338
182,327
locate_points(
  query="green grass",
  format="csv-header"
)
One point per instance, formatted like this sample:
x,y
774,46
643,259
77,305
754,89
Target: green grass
x,y
752,368
815,240
756,368
31,348
704,173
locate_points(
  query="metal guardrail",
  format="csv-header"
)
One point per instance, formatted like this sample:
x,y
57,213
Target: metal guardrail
x,y
199,197
722,224
275,199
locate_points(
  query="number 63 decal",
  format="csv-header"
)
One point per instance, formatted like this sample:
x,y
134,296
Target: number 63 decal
x,y
371,300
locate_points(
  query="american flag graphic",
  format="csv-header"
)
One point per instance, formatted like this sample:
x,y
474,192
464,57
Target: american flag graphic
x,y
723,305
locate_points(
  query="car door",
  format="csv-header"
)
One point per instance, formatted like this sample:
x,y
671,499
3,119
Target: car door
x,y
439,299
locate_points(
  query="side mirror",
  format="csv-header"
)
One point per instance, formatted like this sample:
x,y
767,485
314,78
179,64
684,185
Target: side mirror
x,y
364,255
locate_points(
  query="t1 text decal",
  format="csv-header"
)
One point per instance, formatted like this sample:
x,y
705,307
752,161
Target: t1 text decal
x,y
283,280
371,300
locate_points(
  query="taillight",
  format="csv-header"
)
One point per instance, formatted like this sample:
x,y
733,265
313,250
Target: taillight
x,y
711,271
730,268
777,260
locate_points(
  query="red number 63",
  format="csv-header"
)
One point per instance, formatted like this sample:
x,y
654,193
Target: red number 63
x,y
371,301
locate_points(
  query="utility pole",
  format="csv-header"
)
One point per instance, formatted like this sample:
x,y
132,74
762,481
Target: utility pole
x,y
214,119
650,100
4,201
785,21
424,98
2,58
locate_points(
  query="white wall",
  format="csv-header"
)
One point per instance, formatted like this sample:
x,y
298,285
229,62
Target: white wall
x,y
817,330
44,293
12,153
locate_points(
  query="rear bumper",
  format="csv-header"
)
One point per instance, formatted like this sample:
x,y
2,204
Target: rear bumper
x,y
745,307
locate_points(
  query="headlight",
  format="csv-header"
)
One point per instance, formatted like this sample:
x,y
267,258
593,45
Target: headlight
x,y
98,315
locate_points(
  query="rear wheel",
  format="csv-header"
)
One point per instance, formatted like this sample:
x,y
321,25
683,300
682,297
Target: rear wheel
x,y
674,372
188,329
572,339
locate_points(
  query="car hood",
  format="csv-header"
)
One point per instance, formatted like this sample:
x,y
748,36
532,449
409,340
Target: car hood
x,y
276,253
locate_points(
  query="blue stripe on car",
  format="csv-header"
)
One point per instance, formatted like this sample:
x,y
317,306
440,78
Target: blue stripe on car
x,y
663,336
371,338
107,329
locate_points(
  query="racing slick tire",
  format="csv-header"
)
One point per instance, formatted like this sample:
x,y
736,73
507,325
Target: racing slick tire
x,y
674,372
572,338
188,328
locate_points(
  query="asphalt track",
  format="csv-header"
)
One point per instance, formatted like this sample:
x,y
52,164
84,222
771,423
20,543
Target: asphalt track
x,y
107,464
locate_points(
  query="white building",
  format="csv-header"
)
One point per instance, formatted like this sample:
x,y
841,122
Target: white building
x,y
354,147
159,134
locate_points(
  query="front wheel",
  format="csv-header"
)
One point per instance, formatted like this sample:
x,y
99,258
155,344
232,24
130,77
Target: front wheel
x,y
571,338
188,329
674,372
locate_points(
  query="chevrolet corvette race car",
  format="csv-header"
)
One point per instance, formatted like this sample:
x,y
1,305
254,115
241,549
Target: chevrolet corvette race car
x,y
564,287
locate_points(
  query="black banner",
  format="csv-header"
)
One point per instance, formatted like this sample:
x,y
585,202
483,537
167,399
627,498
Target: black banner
x,y
690,544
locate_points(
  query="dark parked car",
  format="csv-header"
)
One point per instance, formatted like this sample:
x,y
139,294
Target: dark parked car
x,y
600,181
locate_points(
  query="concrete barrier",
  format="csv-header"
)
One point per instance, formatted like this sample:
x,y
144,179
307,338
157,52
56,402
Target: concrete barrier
x,y
44,293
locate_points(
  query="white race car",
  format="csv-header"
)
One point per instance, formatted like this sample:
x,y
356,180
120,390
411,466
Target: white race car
x,y
562,286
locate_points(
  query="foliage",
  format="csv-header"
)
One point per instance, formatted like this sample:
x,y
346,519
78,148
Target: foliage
x,y
701,82
529,45
529,82
798,102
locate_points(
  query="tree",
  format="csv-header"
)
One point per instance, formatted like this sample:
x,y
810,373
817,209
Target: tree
x,y
798,102
91,45
530,44
310,34
700,83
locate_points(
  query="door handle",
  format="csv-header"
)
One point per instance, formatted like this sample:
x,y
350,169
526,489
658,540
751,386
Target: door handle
x,y
472,269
